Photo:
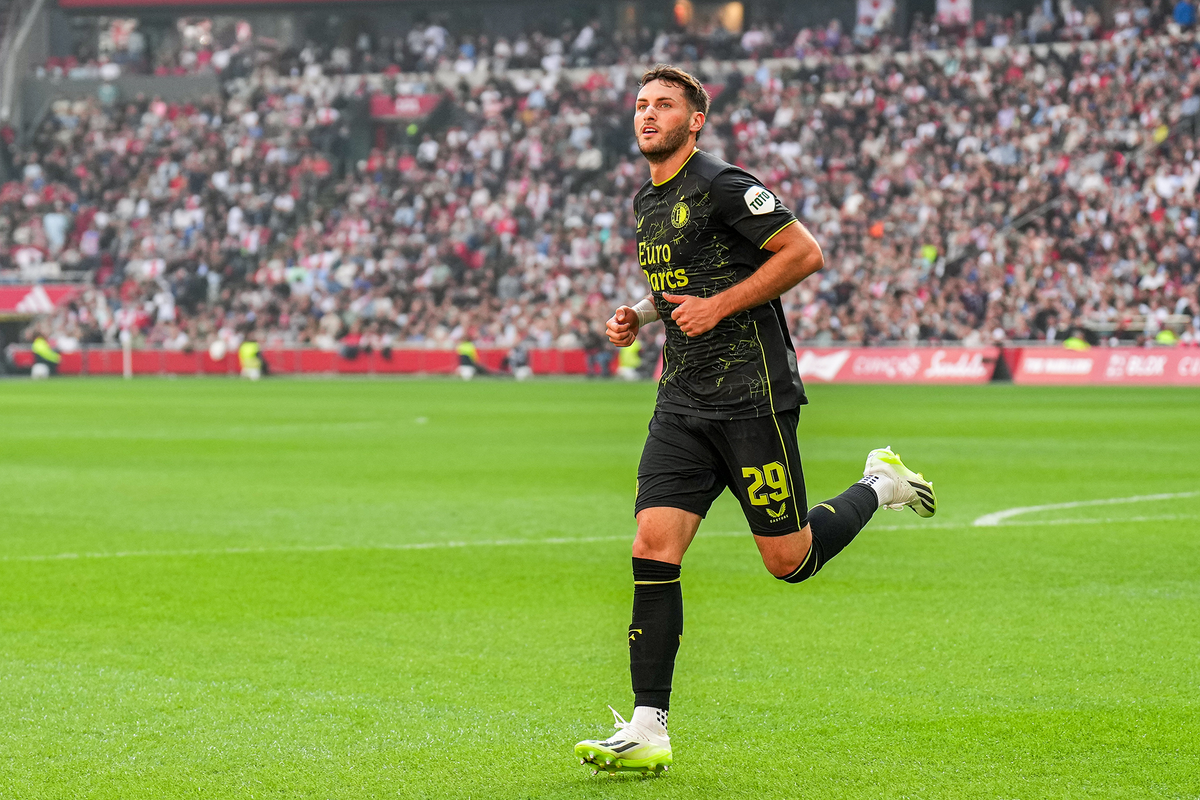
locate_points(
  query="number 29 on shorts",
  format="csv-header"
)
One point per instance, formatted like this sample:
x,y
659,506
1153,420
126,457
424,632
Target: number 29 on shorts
x,y
770,476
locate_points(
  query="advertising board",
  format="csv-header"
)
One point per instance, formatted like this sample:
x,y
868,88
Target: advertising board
x,y
897,364
1109,365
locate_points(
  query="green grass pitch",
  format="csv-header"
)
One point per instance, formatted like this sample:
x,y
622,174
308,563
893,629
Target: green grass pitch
x,y
420,589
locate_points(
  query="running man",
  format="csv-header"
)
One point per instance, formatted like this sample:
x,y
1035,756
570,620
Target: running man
x,y
718,249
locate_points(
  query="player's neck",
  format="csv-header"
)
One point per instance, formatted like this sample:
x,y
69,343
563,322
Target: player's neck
x,y
663,171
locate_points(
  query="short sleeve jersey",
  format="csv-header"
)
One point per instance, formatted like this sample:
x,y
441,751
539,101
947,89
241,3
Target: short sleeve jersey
x,y
698,233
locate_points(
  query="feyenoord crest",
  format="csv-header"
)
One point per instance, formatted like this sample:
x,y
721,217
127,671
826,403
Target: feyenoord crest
x,y
759,200
680,215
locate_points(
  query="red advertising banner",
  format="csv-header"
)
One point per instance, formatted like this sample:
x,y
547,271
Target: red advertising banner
x,y
1109,365
34,299
897,364
404,107
110,361
1102,365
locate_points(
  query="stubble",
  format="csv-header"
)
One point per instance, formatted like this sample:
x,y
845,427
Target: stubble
x,y
672,140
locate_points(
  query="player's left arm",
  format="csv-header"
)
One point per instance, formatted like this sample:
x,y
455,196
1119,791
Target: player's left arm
x,y
796,256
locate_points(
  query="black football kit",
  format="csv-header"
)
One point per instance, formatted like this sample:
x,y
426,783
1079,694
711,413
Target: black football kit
x,y
728,401
698,233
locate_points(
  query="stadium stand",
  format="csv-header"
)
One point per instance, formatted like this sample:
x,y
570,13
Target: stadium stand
x,y
973,195
225,44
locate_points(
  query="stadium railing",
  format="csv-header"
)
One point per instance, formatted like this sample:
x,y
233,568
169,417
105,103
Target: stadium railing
x,y
109,361
1031,363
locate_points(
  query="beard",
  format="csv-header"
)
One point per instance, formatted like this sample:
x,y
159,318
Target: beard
x,y
670,143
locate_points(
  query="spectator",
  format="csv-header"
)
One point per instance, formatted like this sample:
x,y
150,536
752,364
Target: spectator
x,y
597,352
1184,14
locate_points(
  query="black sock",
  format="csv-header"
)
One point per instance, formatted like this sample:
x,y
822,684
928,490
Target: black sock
x,y
655,631
834,524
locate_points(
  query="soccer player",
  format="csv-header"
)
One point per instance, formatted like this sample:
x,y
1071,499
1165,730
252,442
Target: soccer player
x,y
718,248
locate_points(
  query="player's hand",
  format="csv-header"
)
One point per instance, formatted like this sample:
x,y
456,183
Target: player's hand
x,y
694,315
622,328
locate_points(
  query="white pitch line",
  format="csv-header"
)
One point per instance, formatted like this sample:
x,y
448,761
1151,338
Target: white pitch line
x,y
997,517
338,548
316,548
1107,521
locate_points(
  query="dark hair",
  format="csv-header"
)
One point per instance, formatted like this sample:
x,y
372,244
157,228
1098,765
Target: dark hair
x,y
693,90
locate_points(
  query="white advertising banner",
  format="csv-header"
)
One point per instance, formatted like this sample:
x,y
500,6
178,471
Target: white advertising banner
x,y
953,12
870,11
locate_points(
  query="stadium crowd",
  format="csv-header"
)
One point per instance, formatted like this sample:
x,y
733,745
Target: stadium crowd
x,y
512,222
228,46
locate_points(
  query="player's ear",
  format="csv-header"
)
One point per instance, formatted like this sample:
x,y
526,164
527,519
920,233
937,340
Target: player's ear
x,y
697,122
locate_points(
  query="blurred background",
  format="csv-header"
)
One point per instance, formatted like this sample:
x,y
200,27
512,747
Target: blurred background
x,y
419,187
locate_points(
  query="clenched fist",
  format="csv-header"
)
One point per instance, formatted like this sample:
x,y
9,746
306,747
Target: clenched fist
x,y
622,328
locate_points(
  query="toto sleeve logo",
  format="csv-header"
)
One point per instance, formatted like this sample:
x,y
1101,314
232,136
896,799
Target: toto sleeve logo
x,y
759,200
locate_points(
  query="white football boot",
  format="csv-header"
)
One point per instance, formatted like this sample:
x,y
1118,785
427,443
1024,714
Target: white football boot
x,y
634,748
911,488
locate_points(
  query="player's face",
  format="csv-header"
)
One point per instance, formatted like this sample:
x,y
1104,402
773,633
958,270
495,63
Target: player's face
x,y
662,121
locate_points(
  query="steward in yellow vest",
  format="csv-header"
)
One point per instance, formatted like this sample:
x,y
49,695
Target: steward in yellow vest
x,y
251,361
629,361
43,353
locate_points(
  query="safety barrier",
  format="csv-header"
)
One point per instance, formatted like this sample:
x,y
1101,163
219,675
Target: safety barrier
x,y
290,361
934,365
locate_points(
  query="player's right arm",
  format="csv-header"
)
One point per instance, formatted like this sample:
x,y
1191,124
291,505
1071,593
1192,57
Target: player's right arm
x,y
624,325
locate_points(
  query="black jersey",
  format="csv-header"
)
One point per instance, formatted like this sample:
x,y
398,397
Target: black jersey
x,y
698,233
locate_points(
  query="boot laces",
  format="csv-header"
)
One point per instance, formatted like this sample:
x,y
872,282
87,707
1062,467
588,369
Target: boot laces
x,y
620,722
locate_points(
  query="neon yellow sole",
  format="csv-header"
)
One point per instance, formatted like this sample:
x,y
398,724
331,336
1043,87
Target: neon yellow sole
x,y
602,760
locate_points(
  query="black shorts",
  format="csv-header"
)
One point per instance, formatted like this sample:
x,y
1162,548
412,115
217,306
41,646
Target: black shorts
x,y
689,461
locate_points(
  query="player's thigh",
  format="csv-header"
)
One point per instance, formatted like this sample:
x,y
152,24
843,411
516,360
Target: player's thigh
x,y
679,477
762,466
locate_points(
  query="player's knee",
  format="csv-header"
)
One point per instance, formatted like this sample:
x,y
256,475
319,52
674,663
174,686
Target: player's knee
x,y
655,548
783,554
779,565
809,566
663,534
